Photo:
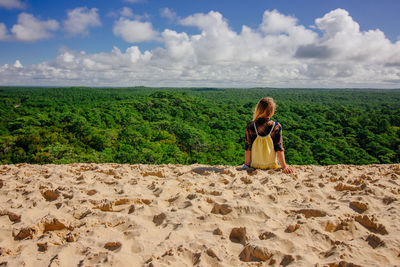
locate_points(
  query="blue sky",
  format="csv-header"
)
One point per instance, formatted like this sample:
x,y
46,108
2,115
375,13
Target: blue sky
x,y
285,43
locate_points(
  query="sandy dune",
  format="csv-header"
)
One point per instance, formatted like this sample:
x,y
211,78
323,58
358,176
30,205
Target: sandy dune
x,y
173,215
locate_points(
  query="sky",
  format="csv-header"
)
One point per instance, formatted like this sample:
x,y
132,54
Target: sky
x,y
219,43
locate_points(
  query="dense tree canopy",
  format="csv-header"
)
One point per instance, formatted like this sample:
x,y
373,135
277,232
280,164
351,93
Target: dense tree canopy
x,y
194,125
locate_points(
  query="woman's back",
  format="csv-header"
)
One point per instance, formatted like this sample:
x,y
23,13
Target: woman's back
x,y
264,127
266,137
263,155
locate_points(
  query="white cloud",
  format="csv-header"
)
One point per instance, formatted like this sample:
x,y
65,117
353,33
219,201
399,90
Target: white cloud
x,y
275,22
217,42
134,31
3,32
284,33
337,21
80,20
342,40
18,64
168,14
277,53
127,12
30,28
12,4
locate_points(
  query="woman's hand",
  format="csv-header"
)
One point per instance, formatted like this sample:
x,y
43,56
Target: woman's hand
x,y
281,157
287,170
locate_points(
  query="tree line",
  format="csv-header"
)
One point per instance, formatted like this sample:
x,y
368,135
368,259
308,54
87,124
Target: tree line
x,y
194,125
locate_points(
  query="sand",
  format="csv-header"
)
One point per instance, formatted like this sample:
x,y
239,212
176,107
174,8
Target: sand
x,y
174,215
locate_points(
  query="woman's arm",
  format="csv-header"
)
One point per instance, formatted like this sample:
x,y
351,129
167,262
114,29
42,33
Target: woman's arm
x,y
247,157
281,157
278,146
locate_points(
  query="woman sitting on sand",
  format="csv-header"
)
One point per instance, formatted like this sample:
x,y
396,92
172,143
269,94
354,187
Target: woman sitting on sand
x,y
264,139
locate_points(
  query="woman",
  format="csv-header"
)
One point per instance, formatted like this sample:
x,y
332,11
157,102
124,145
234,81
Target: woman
x,y
264,139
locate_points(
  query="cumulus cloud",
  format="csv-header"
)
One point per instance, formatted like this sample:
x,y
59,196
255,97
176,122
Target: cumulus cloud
x,y
337,22
216,43
275,22
342,40
314,51
80,19
134,31
168,14
127,12
3,32
18,64
30,28
12,4
277,53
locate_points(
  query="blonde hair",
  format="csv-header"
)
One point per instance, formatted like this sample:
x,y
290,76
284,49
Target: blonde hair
x,y
265,108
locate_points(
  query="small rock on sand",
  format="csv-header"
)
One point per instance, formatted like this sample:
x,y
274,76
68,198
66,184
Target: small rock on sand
x,y
217,232
112,245
266,235
212,254
52,224
311,213
196,258
14,217
287,259
238,235
50,195
24,233
370,225
91,192
191,196
374,241
291,228
254,253
358,206
42,246
221,209
343,264
388,200
158,219
131,209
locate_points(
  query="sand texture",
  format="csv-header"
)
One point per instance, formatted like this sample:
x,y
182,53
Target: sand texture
x,y
197,215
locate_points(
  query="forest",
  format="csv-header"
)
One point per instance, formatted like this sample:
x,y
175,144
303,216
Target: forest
x,y
194,125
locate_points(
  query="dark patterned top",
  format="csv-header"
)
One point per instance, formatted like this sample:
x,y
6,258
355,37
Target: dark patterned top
x,y
264,126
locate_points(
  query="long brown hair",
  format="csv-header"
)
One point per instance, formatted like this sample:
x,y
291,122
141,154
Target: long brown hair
x,y
265,108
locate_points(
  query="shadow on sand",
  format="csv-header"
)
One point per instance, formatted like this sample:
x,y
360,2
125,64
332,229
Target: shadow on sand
x,y
207,170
